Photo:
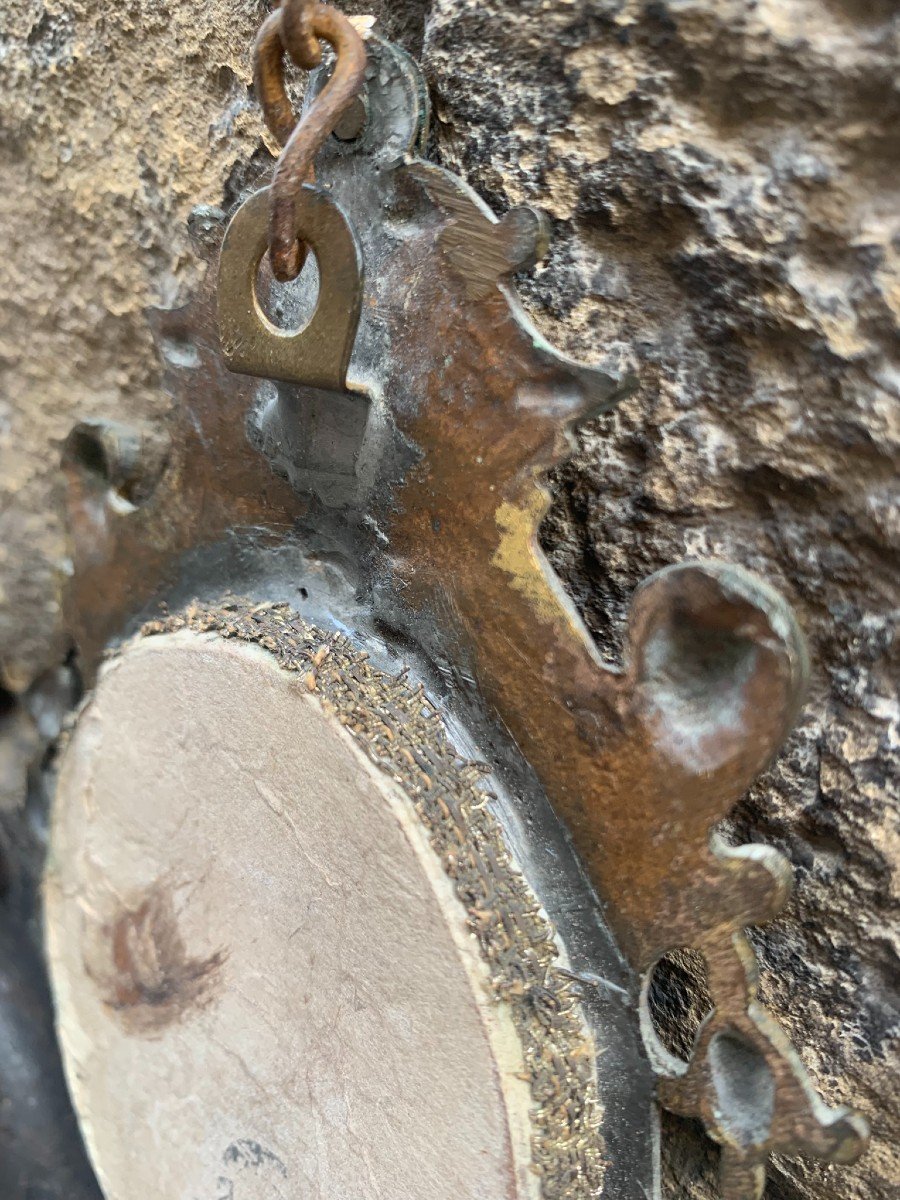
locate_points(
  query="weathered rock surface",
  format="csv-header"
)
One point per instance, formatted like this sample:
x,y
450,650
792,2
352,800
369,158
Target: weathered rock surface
x,y
722,177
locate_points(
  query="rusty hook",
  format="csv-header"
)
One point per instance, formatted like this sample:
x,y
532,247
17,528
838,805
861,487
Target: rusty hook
x,y
298,33
295,29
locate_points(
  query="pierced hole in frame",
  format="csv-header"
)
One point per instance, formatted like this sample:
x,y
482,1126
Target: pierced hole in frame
x,y
675,1002
290,306
86,449
744,1086
122,463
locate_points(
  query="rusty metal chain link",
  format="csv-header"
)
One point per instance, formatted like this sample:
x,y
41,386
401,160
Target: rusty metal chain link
x,y
295,29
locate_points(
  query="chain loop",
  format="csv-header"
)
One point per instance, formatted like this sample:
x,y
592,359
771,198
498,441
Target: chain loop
x,y
298,33
295,29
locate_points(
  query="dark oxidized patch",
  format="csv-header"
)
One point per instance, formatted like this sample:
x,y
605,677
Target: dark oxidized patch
x,y
148,978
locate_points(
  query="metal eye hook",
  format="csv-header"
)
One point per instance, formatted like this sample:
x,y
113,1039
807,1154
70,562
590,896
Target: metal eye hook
x,y
295,29
298,33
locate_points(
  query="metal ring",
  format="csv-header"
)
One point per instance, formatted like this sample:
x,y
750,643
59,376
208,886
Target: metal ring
x,y
302,140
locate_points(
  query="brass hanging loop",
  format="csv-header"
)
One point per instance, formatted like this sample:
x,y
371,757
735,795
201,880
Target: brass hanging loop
x,y
295,29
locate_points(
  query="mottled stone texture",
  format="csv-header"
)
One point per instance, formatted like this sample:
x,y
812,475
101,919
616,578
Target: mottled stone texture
x,y
722,177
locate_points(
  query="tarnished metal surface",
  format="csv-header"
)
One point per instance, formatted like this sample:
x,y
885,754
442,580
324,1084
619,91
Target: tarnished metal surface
x,y
463,409
641,764
211,490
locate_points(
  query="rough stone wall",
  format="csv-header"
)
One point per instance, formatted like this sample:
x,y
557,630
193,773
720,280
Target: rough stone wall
x,y
722,178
